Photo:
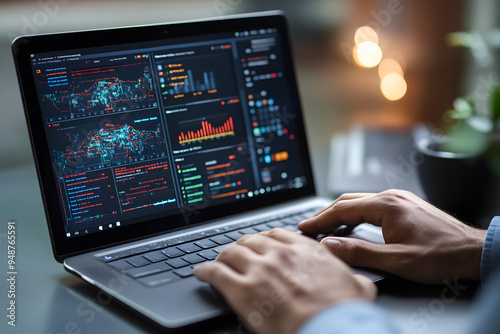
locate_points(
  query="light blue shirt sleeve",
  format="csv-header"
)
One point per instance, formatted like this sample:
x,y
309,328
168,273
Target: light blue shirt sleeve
x,y
349,318
490,260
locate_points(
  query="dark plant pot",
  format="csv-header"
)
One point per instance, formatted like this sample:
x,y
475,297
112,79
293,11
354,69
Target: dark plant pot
x,y
458,183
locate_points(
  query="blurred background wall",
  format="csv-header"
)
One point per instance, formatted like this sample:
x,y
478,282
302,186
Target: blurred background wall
x,y
336,91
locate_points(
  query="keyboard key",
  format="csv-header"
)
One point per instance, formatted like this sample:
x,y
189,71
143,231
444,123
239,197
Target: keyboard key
x,y
235,235
123,254
138,261
205,244
219,249
262,221
274,224
139,250
261,227
193,258
240,225
292,228
209,233
156,256
172,252
177,263
157,245
221,239
173,242
189,248
162,278
248,230
121,265
192,237
291,220
184,272
208,254
148,270
109,258
304,215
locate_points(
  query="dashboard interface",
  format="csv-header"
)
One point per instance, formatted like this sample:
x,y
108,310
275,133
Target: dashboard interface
x,y
147,130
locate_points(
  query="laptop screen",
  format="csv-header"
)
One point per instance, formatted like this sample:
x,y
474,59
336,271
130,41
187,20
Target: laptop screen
x,y
146,130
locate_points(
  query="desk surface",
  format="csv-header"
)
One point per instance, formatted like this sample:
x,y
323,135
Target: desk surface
x,y
50,300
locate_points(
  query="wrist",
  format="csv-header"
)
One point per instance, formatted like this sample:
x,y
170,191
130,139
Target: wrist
x,y
472,263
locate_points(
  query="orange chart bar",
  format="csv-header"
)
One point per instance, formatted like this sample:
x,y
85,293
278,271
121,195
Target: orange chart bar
x,y
230,194
219,166
238,171
208,131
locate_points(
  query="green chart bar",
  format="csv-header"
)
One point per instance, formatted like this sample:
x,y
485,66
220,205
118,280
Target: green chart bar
x,y
195,194
191,178
195,200
194,186
194,169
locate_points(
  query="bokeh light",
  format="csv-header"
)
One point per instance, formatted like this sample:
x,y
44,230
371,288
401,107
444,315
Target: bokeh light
x,y
388,66
393,86
368,54
355,56
365,34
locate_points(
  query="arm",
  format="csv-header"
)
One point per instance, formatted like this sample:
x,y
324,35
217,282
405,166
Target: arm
x,y
422,243
277,280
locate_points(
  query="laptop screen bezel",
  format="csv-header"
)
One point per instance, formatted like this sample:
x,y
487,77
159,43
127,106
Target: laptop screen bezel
x,y
23,47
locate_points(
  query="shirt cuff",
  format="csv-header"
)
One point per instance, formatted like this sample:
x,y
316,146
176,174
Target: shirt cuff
x,y
350,317
490,259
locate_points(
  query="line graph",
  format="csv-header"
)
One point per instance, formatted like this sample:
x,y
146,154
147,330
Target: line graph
x,y
205,126
208,131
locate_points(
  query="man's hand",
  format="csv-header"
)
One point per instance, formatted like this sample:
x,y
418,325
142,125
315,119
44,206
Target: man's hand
x,y
423,243
276,280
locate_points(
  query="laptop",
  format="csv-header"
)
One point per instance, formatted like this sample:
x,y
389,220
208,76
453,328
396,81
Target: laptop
x,y
157,146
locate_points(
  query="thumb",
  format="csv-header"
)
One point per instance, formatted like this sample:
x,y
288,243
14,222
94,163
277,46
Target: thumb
x,y
361,253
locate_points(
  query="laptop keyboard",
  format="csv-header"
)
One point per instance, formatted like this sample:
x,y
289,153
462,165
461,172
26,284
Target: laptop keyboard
x,y
169,260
